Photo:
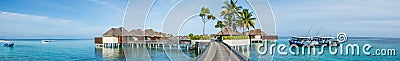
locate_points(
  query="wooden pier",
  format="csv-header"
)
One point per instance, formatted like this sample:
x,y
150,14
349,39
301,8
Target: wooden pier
x,y
219,51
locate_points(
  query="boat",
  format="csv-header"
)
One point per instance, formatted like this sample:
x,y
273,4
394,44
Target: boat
x,y
313,40
47,41
8,43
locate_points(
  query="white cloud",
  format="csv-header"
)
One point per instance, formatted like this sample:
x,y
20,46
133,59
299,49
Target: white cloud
x,y
17,25
356,17
17,17
108,5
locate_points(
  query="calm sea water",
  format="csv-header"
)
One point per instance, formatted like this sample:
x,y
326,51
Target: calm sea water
x,y
59,50
85,50
376,42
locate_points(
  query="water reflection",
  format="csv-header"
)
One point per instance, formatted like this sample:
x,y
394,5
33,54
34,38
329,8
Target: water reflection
x,y
170,52
7,48
110,53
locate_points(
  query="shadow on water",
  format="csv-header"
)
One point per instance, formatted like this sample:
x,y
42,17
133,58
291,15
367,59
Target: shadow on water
x,y
192,53
155,53
8,48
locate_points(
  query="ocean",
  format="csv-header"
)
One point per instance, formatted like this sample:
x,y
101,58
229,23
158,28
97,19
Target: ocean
x,y
85,50
375,42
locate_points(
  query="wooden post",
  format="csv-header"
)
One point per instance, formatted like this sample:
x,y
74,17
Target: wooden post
x,y
250,40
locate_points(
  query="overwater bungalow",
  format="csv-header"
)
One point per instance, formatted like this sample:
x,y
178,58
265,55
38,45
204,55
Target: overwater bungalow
x,y
149,34
138,35
165,36
114,37
228,31
258,34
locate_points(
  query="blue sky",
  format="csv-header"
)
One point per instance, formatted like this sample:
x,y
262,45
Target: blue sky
x,y
354,17
91,18
59,18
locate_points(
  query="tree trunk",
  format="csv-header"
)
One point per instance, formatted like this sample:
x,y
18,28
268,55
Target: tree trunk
x,y
250,39
221,31
204,23
243,30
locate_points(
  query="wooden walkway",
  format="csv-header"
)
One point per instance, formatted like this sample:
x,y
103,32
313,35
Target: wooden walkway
x,y
218,51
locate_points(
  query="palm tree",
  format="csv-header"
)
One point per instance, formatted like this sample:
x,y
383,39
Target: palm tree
x,y
241,24
231,13
247,19
220,25
205,16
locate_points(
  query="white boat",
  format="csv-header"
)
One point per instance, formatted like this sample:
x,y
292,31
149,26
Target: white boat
x,y
8,43
315,40
47,41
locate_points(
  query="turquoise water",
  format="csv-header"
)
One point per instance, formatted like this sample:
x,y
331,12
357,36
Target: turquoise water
x,y
377,43
85,50
59,50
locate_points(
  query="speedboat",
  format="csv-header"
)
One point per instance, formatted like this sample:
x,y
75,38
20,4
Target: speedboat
x,y
8,43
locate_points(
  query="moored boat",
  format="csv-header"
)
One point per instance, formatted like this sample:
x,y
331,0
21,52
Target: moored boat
x,y
48,41
313,41
8,43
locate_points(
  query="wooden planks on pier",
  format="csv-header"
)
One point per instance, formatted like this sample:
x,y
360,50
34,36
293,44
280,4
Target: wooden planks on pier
x,y
217,51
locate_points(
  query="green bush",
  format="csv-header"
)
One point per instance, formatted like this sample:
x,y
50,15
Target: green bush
x,y
235,37
196,37
199,37
190,35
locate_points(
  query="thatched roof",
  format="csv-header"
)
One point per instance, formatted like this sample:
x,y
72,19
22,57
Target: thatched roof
x,y
137,32
255,32
113,32
157,34
165,35
228,31
148,32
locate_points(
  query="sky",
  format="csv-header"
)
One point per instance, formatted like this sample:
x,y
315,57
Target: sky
x,y
58,18
180,17
375,18
22,19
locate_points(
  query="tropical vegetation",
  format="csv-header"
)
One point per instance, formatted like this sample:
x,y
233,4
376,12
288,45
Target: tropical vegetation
x,y
236,16
205,16
198,37
231,13
235,37
220,25
246,19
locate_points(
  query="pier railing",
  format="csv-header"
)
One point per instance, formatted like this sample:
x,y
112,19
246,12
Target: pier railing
x,y
239,55
212,53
